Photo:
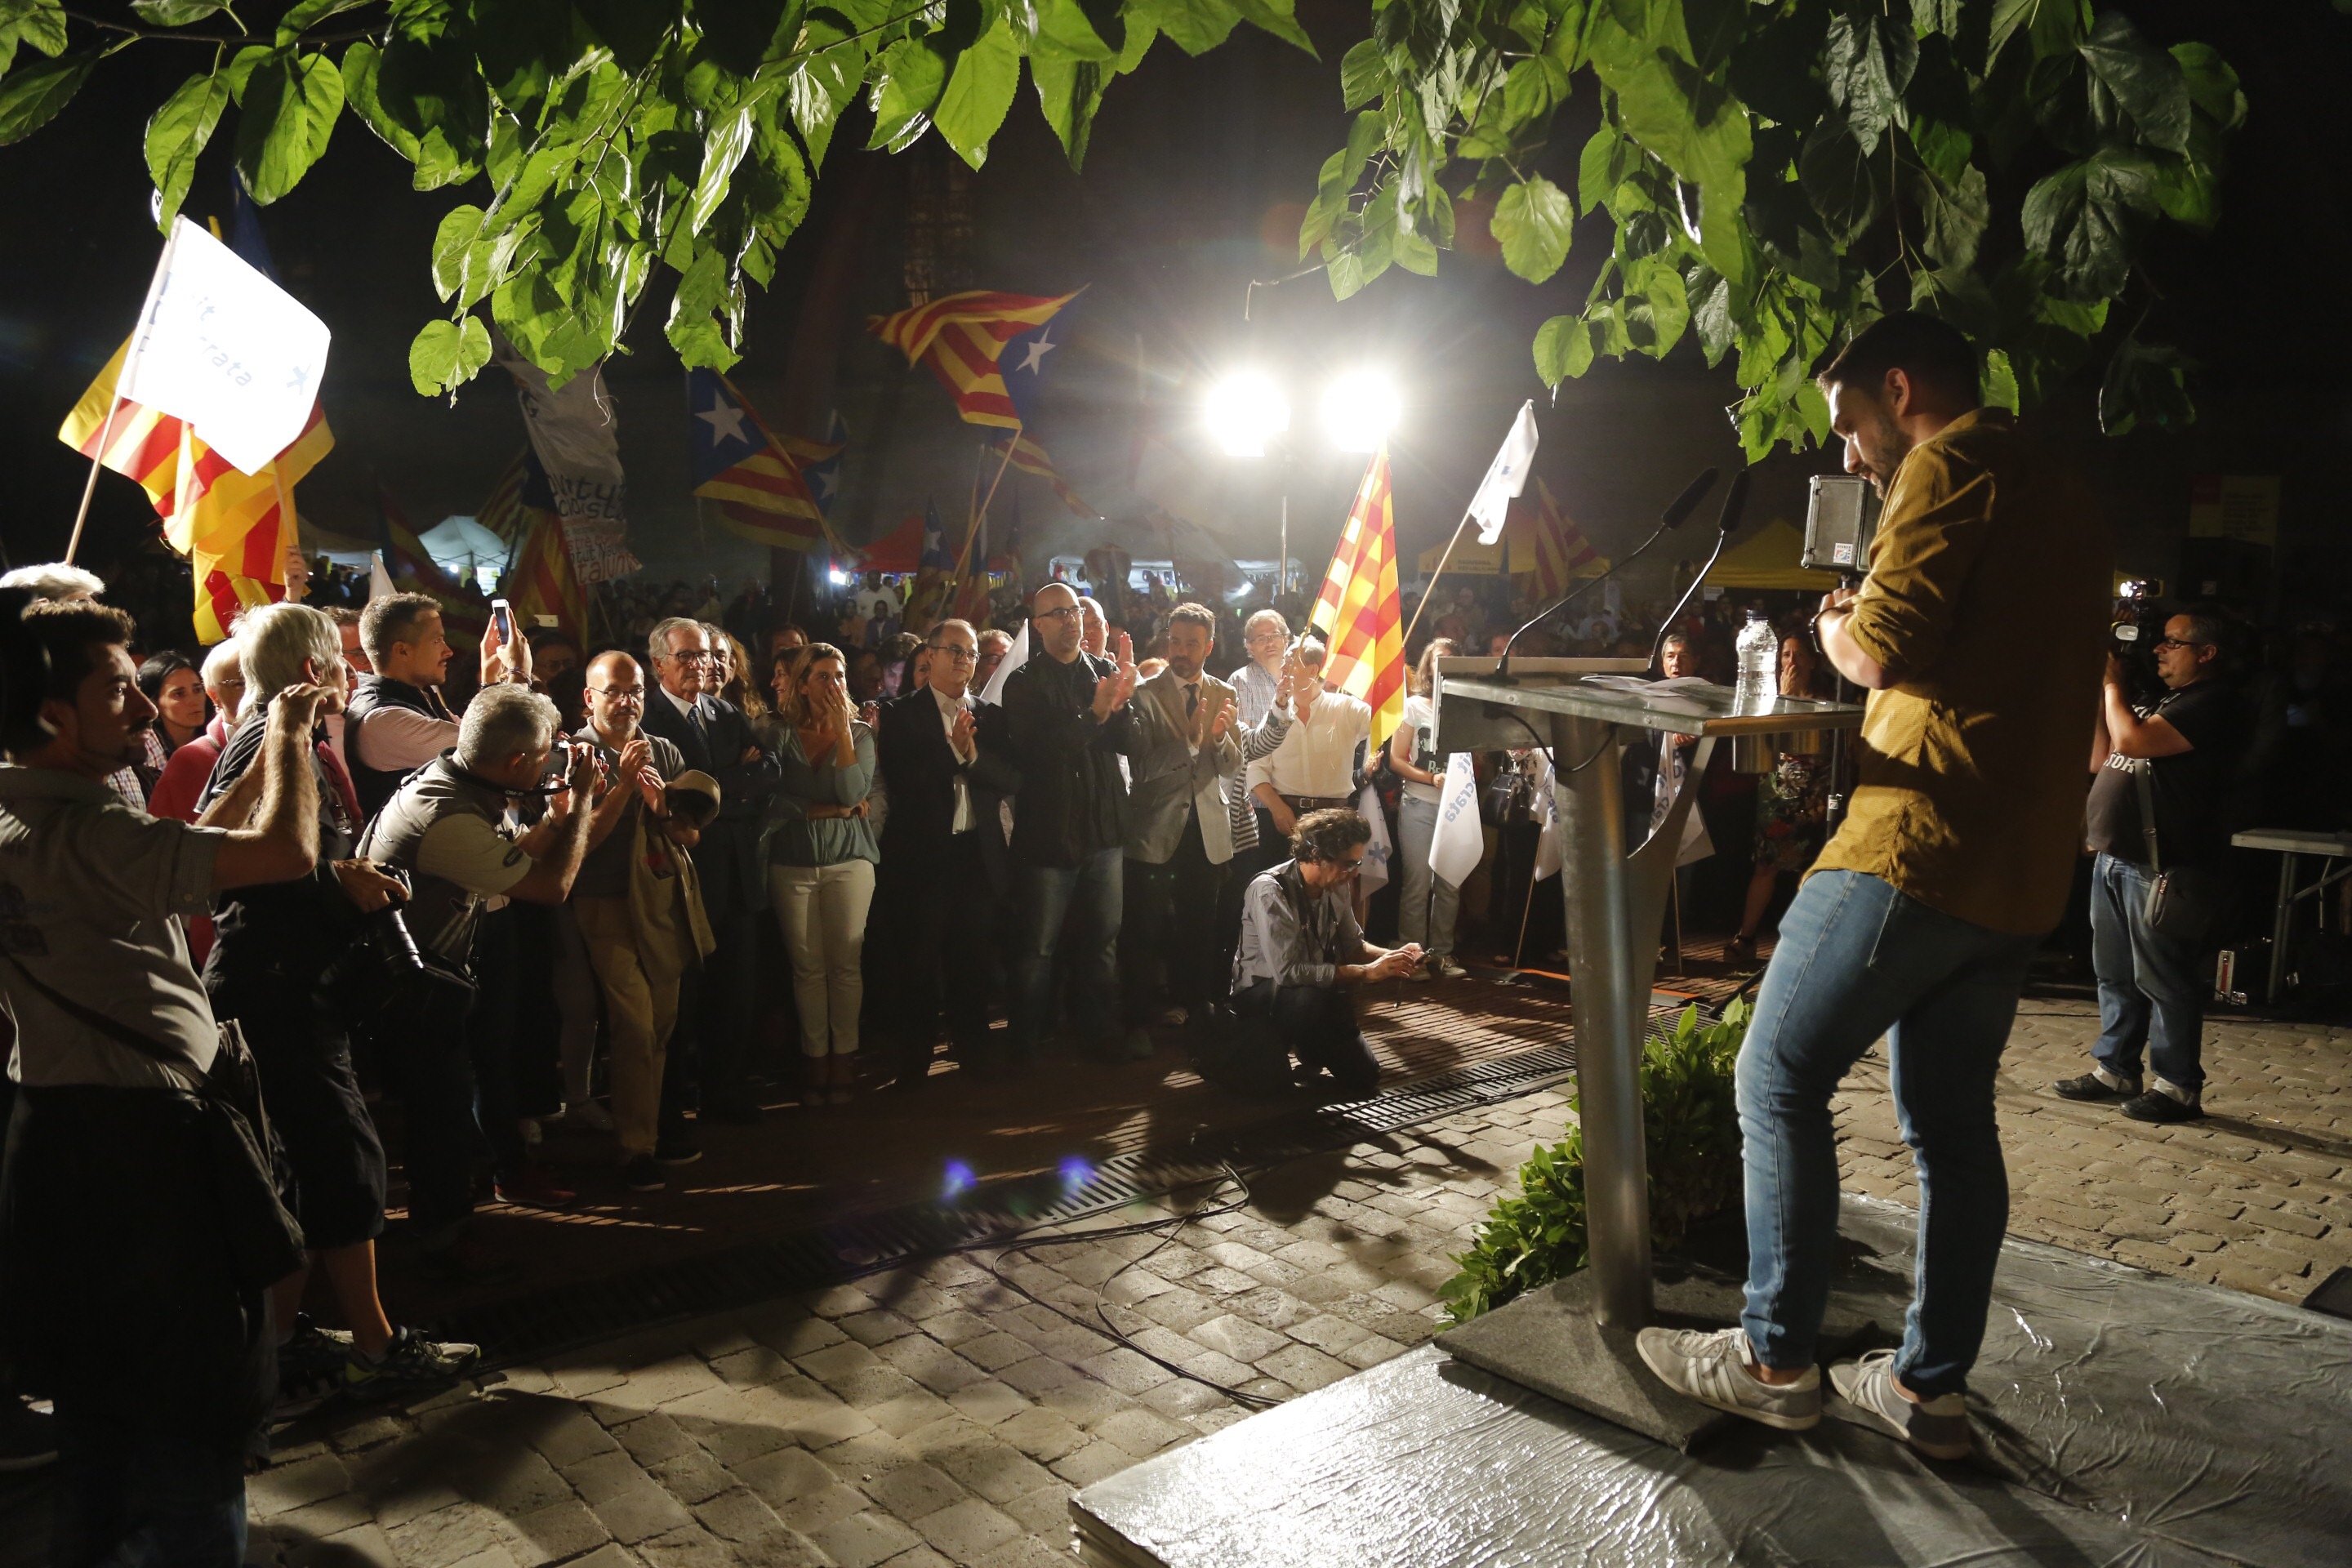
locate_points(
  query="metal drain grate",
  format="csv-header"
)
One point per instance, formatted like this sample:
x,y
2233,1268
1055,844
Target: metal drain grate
x,y
533,1327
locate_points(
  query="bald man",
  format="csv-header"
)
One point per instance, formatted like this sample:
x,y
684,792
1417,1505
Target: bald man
x,y
639,947
1068,723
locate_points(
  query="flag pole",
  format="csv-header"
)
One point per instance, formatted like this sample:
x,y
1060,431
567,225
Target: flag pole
x,y
973,531
1430,591
89,485
130,365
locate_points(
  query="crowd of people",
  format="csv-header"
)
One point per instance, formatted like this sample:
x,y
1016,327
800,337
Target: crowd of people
x,y
413,896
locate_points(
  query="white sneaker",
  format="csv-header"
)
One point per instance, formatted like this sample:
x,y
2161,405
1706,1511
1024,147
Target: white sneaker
x,y
1712,1368
590,1115
1937,1428
1449,969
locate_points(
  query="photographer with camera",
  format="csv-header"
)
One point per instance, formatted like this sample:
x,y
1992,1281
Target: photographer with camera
x,y
124,1294
268,968
2161,774
450,827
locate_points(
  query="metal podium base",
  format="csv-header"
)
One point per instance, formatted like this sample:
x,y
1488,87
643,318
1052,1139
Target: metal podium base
x,y
1550,1341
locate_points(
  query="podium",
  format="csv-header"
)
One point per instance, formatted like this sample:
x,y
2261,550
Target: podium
x,y
1583,712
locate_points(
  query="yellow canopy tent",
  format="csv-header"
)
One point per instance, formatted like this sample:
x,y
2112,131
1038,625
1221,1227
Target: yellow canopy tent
x,y
1770,560
1472,558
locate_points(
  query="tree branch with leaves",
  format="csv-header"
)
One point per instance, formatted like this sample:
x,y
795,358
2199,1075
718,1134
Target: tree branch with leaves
x,y
1776,174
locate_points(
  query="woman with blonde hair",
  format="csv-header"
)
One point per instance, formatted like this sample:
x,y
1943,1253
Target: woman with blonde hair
x,y
821,858
1428,904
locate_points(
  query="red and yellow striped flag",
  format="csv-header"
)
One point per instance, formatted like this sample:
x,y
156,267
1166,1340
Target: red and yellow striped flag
x,y
1563,552
1357,611
1031,458
960,336
235,529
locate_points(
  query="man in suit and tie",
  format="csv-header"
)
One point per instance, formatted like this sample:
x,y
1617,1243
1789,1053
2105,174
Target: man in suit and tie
x,y
1187,756
716,740
944,770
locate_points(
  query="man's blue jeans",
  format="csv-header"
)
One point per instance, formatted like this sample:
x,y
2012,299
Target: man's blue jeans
x,y
2150,997
1047,892
1857,960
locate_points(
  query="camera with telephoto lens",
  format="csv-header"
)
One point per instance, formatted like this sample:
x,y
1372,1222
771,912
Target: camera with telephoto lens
x,y
384,975
2127,627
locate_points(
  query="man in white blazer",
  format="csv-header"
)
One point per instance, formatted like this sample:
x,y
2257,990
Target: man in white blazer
x,y
1187,763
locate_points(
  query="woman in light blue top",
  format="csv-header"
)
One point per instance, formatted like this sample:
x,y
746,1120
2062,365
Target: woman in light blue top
x,y
820,859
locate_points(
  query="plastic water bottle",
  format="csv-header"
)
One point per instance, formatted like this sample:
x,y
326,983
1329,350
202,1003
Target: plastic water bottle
x,y
1759,650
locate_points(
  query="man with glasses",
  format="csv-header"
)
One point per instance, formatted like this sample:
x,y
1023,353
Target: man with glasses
x,y
2180,756
715,738
1068,723
637,906
1302,955
943,872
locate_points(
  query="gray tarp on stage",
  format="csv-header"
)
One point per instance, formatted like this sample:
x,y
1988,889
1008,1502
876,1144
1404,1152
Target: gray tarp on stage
x,y
2124,1418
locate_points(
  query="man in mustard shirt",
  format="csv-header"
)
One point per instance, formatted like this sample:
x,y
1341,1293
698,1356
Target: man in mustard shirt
x,y
1978,633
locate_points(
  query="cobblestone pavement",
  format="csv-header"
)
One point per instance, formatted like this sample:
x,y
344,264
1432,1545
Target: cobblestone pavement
x,y
933,1415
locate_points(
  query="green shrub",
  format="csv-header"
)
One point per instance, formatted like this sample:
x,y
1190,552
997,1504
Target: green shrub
x,y
1692,1127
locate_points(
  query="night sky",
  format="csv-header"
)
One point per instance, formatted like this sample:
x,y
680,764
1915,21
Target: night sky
x,y
1192,188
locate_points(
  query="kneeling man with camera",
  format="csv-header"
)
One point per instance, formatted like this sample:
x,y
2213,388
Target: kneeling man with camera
x,y
1301,955
1977,632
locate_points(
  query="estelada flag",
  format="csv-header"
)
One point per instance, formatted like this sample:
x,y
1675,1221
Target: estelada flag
x,y
1563,552
1031,458
964,338
235,529
541,582
756,484
1357,611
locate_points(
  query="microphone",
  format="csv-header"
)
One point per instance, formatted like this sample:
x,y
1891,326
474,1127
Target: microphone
x,y
1735,501
1677,513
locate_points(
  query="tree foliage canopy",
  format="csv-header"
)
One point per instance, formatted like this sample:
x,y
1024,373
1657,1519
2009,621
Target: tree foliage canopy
x,y
1774,173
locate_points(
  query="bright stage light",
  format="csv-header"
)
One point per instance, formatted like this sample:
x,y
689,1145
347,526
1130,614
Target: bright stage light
x,y
1245,411
840,578
1359,409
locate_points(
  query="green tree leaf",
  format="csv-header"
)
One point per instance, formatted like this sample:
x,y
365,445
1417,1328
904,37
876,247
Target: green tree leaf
x,y
288,113
911,77
1068,93
2049,27
176,138
175,13
1867,62
1841,180
1195,27
1070,30
445,354
2145,382
1998,381
40,22
979,90
2139,92
299,18
1534,222
30,98
2212,84
1363,75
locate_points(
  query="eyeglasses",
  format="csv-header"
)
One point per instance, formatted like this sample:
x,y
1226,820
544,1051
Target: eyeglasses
x,y
618,694
692,656
2176,642
1351,869
960,654
1066,613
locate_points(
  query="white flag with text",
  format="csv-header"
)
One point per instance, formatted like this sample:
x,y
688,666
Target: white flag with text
x,y
1457,845
1507,476
221,346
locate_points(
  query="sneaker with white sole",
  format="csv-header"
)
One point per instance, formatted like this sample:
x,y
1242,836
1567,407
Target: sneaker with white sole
x,y
1937,1428
1712,1368
1449,969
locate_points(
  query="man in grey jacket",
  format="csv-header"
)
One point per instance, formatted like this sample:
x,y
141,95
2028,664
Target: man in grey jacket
x,y
1301,956
1186,764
